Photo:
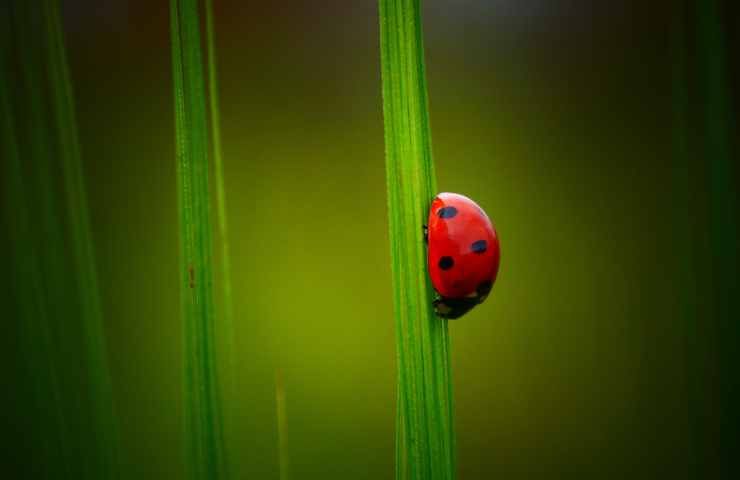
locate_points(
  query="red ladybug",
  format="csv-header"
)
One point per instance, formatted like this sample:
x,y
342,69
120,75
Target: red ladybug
x,y
463,254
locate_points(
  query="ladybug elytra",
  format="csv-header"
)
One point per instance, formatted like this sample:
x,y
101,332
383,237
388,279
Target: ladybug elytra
x,y
463,255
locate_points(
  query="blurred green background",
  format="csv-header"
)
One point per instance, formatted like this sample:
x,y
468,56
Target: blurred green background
x,y
607,348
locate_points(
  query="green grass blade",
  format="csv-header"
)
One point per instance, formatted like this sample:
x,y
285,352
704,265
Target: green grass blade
x,y
227,310
282,426
425,442
203,416
104,423
687,270
35,335
717,147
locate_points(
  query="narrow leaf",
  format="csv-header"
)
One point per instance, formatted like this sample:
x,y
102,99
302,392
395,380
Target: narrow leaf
x,y
205,454
425,443
104,443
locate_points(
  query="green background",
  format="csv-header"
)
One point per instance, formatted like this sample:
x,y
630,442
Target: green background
x,y
606,349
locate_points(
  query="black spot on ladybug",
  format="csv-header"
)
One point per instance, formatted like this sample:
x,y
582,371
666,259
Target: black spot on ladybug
x,y
447,212
446,263
479,246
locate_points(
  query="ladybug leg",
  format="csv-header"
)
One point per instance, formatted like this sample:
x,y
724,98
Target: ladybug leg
x,y
426,234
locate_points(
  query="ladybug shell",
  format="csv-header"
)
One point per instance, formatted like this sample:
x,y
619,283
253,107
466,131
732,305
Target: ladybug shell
x,y
463,255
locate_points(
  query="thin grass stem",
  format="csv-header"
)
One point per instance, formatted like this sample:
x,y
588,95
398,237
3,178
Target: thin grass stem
x,y
104,423
205,453
425,442
717,145
282,425
227,307
35,334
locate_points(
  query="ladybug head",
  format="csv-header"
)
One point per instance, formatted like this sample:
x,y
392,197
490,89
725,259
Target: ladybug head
x,y
452,308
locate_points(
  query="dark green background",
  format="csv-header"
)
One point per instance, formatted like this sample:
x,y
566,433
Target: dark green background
x,y
607,348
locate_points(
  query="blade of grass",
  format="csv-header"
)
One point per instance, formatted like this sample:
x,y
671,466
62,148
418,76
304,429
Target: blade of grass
x,y
687,270
104,423
227,310
227,306
282,426
425,442
717,147
73,361
203,415
35,335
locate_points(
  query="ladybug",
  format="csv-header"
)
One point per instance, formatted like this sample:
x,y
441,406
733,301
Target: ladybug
x,y
463,254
